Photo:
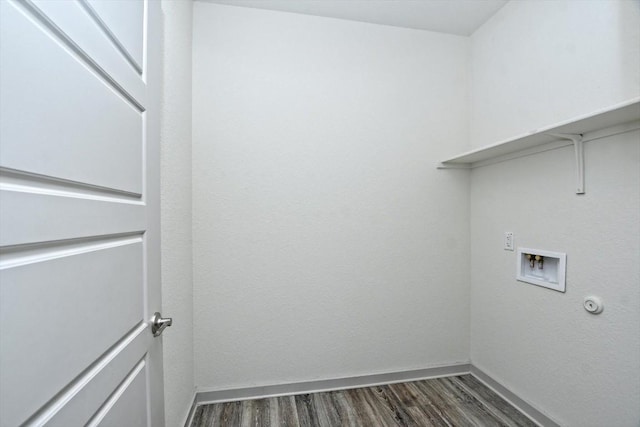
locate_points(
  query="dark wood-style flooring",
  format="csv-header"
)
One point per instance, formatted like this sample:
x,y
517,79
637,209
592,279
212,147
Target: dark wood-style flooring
x,y
451,401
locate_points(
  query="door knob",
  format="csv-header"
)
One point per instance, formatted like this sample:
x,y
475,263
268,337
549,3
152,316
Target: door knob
x,y
159,323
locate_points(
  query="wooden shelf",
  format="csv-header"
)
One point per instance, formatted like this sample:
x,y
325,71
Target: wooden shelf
x,y
614,116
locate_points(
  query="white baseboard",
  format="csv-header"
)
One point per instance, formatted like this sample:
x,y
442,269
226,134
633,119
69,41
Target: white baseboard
x,y
207,396
523,406
192,410
260,392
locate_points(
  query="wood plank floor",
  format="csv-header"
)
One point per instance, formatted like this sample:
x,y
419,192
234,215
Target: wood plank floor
x,y
451,401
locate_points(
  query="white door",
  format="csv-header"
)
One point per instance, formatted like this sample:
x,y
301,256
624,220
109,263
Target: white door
x,y
79,213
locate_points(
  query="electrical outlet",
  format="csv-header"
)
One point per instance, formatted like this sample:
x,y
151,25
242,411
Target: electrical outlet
x,y
508,241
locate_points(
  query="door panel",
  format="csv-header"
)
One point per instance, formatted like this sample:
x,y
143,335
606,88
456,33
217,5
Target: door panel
x,y
77,126
76,22
73,293
125,22
54,286
126,407
40,214
79,213
84,399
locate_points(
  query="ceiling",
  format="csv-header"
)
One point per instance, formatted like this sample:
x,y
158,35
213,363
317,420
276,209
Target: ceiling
x,y
461,17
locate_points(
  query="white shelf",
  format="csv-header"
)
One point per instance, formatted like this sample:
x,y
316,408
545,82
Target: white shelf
x,y
614,116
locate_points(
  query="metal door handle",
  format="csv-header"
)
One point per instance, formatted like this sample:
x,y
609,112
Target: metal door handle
x,y
159,323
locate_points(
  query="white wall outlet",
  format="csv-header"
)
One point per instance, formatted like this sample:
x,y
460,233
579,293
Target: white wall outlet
x,y
508,240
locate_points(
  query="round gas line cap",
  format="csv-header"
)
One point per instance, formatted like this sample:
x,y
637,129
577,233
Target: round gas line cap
x,y
593,305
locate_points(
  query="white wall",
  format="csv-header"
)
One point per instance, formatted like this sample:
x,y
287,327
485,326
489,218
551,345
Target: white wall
x,y
579,369
536,63
326,244
177,273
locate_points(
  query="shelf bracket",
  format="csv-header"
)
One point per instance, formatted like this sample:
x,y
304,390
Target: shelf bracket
x,y
579,153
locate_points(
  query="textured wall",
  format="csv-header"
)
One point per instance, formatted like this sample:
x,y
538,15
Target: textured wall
x,y
177,276
537,63
326,244
579,369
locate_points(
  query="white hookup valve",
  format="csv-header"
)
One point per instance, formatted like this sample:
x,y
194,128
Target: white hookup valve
x,y
593,305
